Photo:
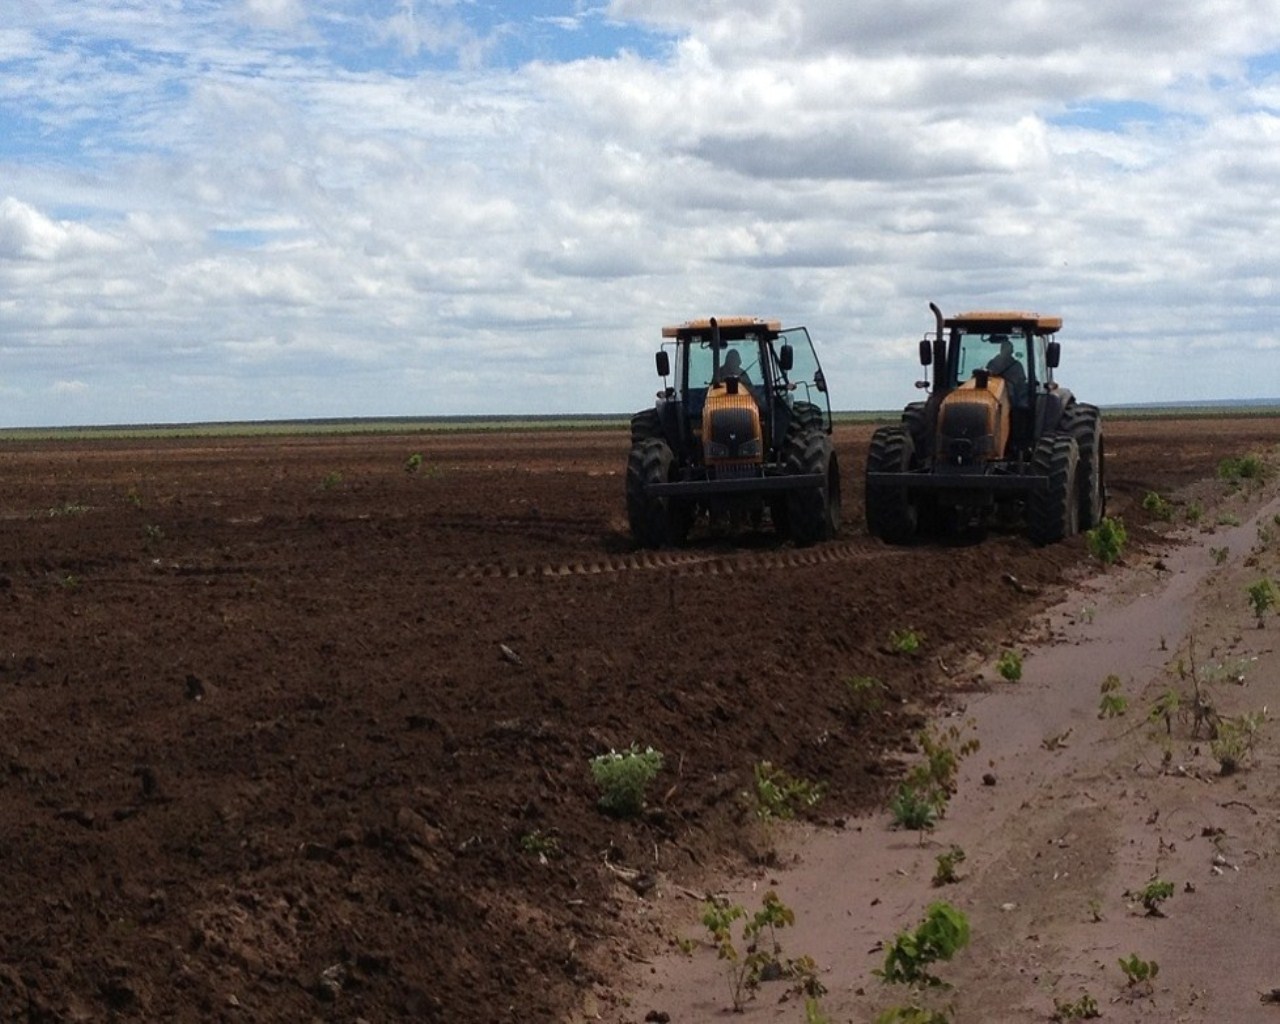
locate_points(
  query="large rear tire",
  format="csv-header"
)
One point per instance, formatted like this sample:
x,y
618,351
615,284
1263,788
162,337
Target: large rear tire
x,y
891,514
1084,423
650,517
644,425
813,514
1053,512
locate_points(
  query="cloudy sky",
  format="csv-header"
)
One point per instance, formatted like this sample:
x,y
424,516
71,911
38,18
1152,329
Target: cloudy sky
x,y
266,209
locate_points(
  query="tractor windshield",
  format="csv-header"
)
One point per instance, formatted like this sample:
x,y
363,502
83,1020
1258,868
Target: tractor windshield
x,y
740,356
995,351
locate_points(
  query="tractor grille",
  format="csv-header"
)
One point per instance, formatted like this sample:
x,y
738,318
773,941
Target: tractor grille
x,y
964,433
735,471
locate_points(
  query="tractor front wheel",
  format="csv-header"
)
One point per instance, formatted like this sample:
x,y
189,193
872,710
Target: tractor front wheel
x,y
1084,423
1053,512
650,517
813,514
891,514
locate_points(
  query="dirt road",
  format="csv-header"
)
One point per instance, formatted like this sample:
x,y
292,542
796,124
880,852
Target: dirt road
x,y
1069,811
300,728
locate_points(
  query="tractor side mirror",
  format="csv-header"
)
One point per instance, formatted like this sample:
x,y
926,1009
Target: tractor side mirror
x,y
1053,354
819,381
786,358
663,362
926,352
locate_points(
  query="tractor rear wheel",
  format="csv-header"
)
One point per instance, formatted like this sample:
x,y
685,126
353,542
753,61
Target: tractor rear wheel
x,y
650,517
813,514
915,420
644,425
1053,512
805,416
891,514
1084,423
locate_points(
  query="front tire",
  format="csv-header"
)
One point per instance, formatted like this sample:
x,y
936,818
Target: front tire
x,y
1084,423
891,514
813,514
1053,512
650,517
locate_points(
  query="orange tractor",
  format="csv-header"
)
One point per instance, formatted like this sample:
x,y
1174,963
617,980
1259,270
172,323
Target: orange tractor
x,y
740,429
997,436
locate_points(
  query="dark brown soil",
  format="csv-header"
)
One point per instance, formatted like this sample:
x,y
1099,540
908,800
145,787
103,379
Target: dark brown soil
x,y
290,732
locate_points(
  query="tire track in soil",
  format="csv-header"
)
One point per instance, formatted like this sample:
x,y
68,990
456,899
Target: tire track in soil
x,y
681,563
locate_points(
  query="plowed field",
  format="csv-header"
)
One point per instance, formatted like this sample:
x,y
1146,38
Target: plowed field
x,y
289,731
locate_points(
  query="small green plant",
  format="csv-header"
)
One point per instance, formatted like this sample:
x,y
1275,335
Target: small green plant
x,y
413,463
331,480
541,844
813,1012
1107,540
1088,613
1139,971
1228,519
910,958
1219,555
68,509
944,872
1113,703
914,1015
1194,513
866,693
1242,467
1235,740
1010,666
905,641
747,966
133,497
1154,893
913,810
1084,1008
1262,597
780,795
153,532
69,582
1159,507
1167,706
623,776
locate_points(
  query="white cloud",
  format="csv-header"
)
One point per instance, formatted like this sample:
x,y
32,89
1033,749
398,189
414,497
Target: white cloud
x,y
242,215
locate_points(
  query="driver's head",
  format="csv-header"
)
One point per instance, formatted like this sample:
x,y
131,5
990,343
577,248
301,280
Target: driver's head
x,y
732,361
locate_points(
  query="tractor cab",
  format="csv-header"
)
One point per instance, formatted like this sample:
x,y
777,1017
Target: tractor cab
x,y
993,374
741,429
739,363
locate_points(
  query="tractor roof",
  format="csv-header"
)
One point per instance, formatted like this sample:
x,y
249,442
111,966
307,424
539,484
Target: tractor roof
x,y
1006,318
736,325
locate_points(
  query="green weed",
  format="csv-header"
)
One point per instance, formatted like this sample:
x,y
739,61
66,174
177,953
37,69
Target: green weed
x,y
1139,971
905,641
745,967
1159,507
1010,666
944,872
1262,597
1084,1008
1107,540
910,958
1152,895
1235,740
623,777
780,795
1242,467
1113,703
